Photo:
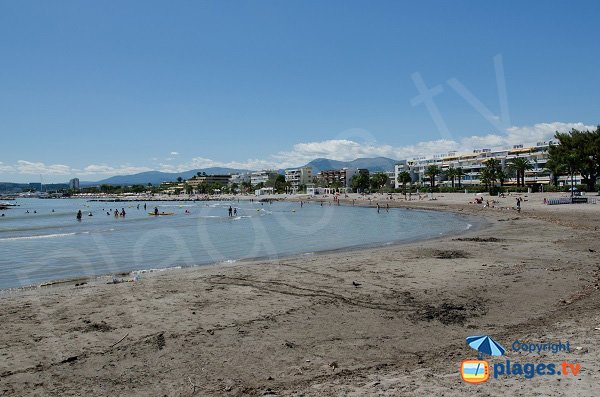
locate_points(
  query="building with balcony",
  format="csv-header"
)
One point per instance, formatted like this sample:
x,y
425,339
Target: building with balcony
x,y
297,177
262,176
473,162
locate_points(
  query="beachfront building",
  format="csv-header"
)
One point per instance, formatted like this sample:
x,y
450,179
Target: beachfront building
x,y
262,176
198,180
238,179
297,177
473,162
74,184
341,178
265,191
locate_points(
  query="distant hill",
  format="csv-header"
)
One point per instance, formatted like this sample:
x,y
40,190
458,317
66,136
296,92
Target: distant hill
x,y
157,177
375,164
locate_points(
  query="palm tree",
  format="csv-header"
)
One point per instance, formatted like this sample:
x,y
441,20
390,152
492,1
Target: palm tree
x,y
432,171
451,175
459,173
404,178
556,170
491,173
519,165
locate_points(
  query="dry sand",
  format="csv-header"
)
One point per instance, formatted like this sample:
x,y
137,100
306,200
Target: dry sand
x,y
299,327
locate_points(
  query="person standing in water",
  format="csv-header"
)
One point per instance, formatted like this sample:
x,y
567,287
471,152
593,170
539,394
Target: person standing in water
x,y
230,211
155,210
235,211
79,215
123,212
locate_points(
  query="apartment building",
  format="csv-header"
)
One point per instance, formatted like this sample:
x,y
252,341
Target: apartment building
x,y
472,163
298,176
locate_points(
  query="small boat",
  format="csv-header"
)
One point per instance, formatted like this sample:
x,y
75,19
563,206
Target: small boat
x,y
161,213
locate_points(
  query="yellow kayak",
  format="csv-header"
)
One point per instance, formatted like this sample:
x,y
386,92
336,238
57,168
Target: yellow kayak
x,y
161,213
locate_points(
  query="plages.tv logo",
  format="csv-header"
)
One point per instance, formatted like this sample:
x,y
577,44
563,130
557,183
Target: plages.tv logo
x,y
478,371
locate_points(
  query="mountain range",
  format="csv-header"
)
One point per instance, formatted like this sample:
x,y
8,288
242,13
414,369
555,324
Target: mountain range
x,y
375,164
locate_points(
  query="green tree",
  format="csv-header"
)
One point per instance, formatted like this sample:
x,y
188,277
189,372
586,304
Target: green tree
x,y
403,179
360,182
491,173
179,179
378,180
519,166
451,175
432,172
579,151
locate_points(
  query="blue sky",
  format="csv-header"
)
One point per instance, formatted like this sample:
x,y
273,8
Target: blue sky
x,y
93,89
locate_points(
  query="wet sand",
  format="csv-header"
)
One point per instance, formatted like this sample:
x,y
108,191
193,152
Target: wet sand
x,y
379,321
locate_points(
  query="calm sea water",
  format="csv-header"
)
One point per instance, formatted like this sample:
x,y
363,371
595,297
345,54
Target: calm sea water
x,y
48,245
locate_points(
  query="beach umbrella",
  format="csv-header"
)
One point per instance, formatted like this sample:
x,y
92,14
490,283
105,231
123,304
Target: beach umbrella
x,y
486,345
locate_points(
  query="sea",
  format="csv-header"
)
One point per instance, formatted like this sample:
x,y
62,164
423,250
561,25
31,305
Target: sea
x,y
41,240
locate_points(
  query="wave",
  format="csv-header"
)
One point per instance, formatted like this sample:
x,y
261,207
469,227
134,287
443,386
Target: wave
x,y
56,235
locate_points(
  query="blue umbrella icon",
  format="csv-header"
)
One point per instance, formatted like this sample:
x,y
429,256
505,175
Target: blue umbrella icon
x,y
486,345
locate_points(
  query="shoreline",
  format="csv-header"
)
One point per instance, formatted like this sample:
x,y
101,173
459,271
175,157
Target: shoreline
x,y
478,223
380,321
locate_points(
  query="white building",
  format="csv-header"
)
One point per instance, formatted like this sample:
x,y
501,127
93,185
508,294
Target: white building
x,y
298,176
238,179
261,176
473,162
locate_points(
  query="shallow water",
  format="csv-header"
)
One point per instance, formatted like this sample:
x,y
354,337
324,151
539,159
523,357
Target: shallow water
x,y
53,245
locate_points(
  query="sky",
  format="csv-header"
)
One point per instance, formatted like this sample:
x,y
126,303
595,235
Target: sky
x,y
95,89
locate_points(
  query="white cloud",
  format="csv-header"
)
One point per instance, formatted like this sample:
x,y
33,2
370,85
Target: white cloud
x,y
336,149
174,153
345,149
96,169
28,167
6,168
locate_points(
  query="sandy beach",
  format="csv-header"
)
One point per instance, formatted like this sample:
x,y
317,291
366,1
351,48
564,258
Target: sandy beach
x,y
383,321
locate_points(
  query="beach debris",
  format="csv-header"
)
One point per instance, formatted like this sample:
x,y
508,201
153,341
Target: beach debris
x,y
289,344
591,250
450,254
450,313
480,239
160,341
356,284
193,385
69,359
334,365
210,331
80,284
119,341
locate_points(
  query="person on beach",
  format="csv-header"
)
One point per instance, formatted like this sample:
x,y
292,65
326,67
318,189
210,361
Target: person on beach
x,y
518,204
378,208
79,215
387,208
